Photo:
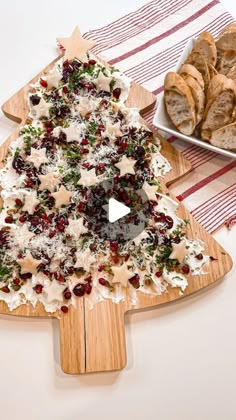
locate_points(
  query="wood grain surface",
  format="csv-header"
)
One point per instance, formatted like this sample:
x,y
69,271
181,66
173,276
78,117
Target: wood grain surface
x,y
94,340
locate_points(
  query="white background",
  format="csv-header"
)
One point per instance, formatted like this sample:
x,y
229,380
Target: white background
x,y
181,357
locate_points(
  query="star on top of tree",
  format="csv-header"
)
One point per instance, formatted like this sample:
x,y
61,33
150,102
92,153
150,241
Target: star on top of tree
x,y
126,166
37,157
49,181
28,264
76,46
62,197
179,251
121,274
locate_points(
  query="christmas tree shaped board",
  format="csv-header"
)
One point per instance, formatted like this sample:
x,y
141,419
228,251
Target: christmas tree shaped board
x,y
79,144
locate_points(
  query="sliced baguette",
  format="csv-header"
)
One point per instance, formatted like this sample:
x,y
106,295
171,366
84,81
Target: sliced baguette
x,y
179,103
196,59
221,99
232,73
225,137
205,45
189,70
212,71
227,61
226,41
198,96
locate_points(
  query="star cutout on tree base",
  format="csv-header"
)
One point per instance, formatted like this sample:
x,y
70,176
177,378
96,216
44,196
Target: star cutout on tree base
x,y
76,46
28,264
121,274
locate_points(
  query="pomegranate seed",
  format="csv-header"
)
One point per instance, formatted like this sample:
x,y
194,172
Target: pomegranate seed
x,y
61,228
88,288
65,90
64,309
185,269
28,184
93,247
86,65
38,288
87,117
115,259
199,257
44,216
92,62
158,274
169,222
101,166
43,83
85,164
16,281
83,151
101,268
88,279
18,202
52,233
101,127
22,219
123,144
9,219
79,290
114,246
67,294
35,221
84,142
5,289
81,207
162,231
20,255
102,281
120,150
161,217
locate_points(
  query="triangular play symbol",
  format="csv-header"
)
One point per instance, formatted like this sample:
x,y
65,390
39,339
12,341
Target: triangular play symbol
x,y
116,210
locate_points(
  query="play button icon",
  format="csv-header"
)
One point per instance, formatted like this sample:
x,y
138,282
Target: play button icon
x,y
116,210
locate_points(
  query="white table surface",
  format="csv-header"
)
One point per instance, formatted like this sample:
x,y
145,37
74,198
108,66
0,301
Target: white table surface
x,y
181,357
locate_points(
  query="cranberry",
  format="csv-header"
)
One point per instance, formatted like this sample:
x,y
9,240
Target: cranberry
x,y
35,221
124,145
93,247
88,279
199,257
65,90
92,62
116,93
43,83
158,274
102,281
18,164
115,259
160,217
18,202
185,269
79,290
101,268
86,65
114,246
84,151
38,288
67,294
81,207
64,309
52,233
120,150
169,222
26,276
135,281
9,219
88,288
28,184
84,142
16,281
139,152
5,289
35,99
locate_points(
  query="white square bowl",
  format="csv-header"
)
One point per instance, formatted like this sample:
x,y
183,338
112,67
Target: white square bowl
x,y
162,121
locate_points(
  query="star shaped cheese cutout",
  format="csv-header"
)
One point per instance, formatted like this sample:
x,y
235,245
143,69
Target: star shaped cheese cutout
x,y
179,251
31,202
85,106
150,191
121,274
73,133
49,181
112,130
102,82
126,166
28,264
88,178
53,78
54,291
41,110
23,236
84,259
37,157
62,197
76,227
76,46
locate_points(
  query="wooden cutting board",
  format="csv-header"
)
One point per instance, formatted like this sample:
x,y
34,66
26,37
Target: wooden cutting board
x,y
94,340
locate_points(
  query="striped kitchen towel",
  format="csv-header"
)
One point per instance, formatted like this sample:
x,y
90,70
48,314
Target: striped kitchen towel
x,y
145,44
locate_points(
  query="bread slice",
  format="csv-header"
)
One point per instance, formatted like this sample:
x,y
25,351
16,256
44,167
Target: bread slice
x,y
225,137
229,28
205,45
232,73
212,71
221,99
197,60
179,103
227,40
189,70
198,96
227,61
